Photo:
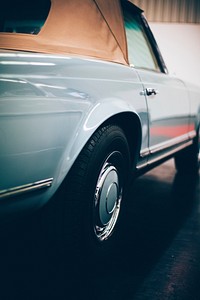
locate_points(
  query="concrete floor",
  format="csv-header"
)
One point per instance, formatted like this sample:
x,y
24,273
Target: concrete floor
x,y
159,261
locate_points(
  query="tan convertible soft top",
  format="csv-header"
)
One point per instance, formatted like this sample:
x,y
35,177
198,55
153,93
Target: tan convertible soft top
x,y
91,28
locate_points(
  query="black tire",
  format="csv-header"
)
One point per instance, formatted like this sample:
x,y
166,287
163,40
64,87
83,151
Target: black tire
x,y
187,161
89,202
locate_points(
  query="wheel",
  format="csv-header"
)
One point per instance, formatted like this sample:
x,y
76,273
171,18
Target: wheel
x,y
187,161
92,194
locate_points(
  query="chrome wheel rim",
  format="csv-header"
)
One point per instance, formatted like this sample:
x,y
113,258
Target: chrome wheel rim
x,y
107,199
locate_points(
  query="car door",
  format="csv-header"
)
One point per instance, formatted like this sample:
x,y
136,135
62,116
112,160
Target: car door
x,y
167,99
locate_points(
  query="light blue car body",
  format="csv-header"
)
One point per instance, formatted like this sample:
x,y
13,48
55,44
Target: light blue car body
x,y
50,106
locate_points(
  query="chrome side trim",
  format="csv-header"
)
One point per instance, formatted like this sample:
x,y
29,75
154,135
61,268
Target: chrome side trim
x,y
141,165
169,153
192,134
160,151
169,144
15,191
144,152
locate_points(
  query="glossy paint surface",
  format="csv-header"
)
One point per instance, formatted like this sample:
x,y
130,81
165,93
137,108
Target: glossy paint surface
x,y
168,108
51,105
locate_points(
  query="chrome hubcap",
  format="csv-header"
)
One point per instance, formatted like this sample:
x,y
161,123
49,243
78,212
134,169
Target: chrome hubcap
x,y
108,195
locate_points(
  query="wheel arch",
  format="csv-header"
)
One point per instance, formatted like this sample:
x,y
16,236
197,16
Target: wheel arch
x,y
131,125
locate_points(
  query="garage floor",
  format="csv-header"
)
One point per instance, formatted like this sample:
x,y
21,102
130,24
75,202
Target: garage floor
x,y
160,261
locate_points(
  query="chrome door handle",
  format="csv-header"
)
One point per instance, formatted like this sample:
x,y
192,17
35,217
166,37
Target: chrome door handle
x,y
151,91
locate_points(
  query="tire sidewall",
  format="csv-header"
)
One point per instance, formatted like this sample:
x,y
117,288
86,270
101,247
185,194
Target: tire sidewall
x,y
112,140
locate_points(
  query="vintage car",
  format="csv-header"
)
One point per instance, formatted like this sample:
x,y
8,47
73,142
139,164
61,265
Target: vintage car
x,y
86,104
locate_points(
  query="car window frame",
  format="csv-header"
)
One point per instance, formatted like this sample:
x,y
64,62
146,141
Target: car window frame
x,y
129,7
154,45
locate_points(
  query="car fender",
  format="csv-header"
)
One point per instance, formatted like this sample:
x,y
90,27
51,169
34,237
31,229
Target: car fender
x,y
92,120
